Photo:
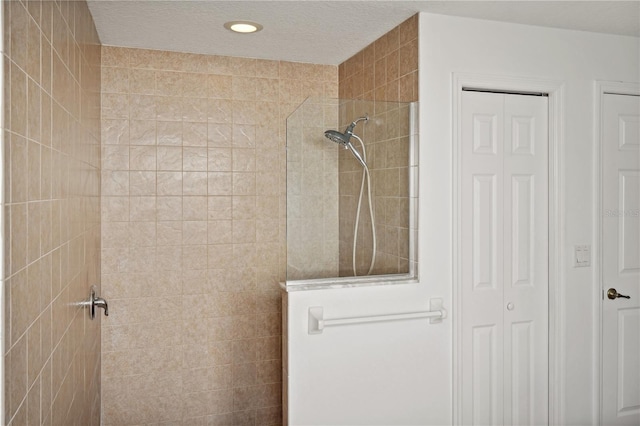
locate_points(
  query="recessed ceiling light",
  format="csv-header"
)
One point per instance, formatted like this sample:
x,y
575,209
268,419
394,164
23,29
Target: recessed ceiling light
x,y
243,26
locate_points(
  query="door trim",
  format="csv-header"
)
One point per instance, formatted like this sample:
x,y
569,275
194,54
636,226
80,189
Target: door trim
x,y
555,90
601,88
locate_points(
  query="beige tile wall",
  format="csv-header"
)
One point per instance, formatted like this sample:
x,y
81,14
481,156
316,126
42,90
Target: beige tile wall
x,y
193,215
386,70
379,81
52,213
312,191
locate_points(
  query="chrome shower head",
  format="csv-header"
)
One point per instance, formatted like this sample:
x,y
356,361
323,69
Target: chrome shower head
x,y
337,137
344,139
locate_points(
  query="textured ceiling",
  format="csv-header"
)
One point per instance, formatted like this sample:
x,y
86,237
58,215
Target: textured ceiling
x,y
326,32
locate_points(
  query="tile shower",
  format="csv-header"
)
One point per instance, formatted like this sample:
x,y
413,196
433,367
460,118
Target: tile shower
x,y
162,175
193,233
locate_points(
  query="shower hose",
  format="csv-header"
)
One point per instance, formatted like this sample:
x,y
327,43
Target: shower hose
x,y
365,176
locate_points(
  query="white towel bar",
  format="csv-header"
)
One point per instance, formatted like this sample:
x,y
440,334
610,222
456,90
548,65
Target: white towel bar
x,y
317,322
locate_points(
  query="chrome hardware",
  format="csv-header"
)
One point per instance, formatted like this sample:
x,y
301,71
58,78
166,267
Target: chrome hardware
x,y
510,306
95,302
612,294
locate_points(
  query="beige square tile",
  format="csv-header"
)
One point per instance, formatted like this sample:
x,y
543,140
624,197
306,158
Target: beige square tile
x,y
244,184
244,374
143,107
194,208
142,208
142,234
267,89
142,81
169,133
244,136
169,233
194,232
220,183
169,208
115,157
140,132
194,183
168,108
244,207
112,56
219,159
244,231
219,207
219,86
142,158
169,183
142,182
115,183
244,112
220,232
169,83
243,88
169,158
195,257
195,109
115,80
116,234
219,135
194,134
194,159
244,160
194,85
220,111
267,184
114,209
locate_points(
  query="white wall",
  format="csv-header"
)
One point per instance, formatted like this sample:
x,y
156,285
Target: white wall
x,y
459,45
401,373
392,373
2,231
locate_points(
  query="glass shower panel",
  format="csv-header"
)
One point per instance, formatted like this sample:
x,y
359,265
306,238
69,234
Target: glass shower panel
x,y
328,194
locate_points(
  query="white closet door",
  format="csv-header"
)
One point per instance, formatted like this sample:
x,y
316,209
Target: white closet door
x,y
621,260
504,233
526,275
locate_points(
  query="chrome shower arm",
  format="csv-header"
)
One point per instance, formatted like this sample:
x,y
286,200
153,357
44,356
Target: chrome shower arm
x,y
354,123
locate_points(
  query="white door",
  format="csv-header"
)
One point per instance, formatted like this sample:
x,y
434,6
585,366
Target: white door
x,y
621,260
504,237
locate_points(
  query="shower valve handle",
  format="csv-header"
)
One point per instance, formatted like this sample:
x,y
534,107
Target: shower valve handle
x,y
95,302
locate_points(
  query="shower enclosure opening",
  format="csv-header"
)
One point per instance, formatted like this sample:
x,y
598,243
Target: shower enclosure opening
x,y
373,168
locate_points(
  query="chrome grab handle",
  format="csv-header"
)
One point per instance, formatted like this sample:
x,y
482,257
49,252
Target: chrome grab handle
x,y
95,302
612,294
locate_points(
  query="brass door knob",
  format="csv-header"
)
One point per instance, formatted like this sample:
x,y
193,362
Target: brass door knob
x,y
612,293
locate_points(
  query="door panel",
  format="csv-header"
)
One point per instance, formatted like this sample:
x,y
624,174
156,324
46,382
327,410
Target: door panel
x,y
526,216
629,226
628,372
485,238
522,236
504,259
522,370
487,379
621,259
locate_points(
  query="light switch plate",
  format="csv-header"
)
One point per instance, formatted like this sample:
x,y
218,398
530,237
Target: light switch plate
x,y
581,256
